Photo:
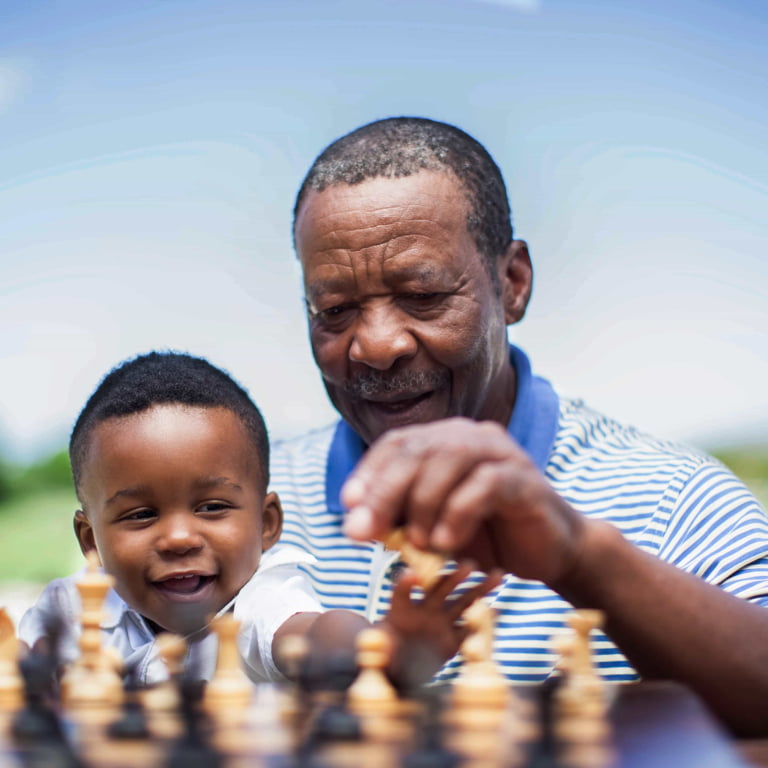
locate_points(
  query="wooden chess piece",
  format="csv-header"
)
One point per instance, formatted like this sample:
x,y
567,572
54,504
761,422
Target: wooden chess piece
x,y
164,697
294,650
11,683
371,691
480,682
230,688
581,723
489,723
426,565
95,677
583,689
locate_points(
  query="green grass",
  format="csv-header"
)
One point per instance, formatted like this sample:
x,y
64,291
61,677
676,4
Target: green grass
x,y
749,463
37,542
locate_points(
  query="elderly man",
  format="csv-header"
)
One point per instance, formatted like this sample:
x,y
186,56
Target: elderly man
x,y
412,276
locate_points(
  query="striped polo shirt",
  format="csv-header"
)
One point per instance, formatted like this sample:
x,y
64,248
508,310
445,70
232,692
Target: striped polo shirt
x,y
669,500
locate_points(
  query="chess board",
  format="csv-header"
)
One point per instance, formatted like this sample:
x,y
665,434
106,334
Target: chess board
x,y
652,725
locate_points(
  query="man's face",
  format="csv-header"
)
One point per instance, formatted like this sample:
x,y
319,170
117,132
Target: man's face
x,y
174,503
405,323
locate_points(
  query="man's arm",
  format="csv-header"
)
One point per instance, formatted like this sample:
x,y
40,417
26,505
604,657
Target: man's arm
x,y
465,487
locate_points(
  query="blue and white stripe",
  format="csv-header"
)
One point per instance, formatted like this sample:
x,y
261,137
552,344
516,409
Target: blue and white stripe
x,y
669,500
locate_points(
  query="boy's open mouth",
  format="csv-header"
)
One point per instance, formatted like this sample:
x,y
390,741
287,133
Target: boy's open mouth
x,y
183,586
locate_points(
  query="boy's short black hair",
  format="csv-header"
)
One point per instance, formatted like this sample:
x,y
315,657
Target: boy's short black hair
x,y
155,378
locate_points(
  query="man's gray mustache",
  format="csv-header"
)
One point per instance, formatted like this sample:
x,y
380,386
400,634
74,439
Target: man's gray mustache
x,y
376,384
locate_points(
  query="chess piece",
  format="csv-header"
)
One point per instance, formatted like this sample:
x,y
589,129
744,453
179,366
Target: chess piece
x,y
583,690
334,721
431,750
95,678
480,682
426,565
384,718
488,721
371,691
581,725
11,684
133,723
164,696
193,749
230,687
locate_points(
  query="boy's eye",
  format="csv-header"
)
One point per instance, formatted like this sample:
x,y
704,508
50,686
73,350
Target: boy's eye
x,y
139,514
214,506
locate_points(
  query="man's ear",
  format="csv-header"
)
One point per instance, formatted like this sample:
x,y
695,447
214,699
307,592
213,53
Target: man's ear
x,y
271,521
84,533
516,275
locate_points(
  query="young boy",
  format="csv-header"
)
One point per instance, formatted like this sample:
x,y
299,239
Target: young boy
x,y
170,462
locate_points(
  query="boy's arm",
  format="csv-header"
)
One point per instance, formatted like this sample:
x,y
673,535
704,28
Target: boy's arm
x,y
426,631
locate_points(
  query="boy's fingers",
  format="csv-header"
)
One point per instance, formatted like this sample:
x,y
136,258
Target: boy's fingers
x,y
461,603
402,597
443,587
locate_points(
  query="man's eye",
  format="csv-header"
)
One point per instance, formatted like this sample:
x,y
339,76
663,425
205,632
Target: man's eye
x,y
335,311
423,296
423,300
336,316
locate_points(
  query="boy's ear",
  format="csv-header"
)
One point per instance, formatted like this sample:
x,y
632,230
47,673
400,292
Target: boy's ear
x,y
84,533
271,521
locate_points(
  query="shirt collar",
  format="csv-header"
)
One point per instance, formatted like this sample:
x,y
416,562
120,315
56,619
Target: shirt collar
x,y
533,426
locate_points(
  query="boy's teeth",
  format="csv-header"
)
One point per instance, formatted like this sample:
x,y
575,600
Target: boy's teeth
x,y
183,583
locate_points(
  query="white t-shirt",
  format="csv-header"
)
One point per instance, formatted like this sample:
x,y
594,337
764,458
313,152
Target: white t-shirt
x,y
277,591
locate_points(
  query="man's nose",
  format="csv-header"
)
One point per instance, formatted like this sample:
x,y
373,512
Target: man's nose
x,y
381,337
180,534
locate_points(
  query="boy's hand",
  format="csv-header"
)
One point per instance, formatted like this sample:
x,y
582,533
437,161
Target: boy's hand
x,y
427,631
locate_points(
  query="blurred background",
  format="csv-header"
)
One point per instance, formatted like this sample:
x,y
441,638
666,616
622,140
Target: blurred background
x,y
150,153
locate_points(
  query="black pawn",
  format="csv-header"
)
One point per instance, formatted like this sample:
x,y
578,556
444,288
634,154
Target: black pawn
x,y
133,722
36,729
431,751
193,748
543,752
335,722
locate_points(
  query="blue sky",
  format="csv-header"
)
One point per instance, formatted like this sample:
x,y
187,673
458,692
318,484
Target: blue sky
x,y
149,157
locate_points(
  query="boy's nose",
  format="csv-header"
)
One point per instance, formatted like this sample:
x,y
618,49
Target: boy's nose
x,y
179,535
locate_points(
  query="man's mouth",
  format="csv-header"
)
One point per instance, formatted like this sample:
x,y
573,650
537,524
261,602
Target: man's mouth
x,y
399,403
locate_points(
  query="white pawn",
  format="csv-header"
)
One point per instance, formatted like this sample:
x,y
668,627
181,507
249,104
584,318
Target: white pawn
x,y
371,691
230,688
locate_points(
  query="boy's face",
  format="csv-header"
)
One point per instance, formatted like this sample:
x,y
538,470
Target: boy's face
x,y
174,503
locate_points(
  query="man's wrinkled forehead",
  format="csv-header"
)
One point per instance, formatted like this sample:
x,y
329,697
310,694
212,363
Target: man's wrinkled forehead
x,y
365,194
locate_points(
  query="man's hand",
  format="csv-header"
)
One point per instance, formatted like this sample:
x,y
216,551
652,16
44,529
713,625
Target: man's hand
x,y
468,489
427,631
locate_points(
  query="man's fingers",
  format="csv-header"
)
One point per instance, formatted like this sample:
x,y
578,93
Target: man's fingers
x,y
376,492
409,474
